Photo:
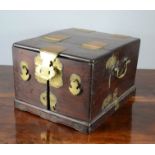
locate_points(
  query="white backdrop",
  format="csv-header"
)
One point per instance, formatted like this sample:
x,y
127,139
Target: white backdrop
x,y
19,25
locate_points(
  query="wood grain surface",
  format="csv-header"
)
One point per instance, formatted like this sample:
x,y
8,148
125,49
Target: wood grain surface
x,y
132,123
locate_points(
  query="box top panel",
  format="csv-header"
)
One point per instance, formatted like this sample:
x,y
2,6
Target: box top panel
x,y
81,44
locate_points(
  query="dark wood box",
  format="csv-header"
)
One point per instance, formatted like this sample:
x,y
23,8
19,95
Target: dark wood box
x,y
75,77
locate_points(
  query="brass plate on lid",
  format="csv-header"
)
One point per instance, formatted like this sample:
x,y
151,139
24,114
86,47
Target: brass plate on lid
x,y
56,37
94,45
55,49
119,36
83,30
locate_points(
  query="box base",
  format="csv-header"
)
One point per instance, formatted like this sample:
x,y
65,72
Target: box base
x,y
82,126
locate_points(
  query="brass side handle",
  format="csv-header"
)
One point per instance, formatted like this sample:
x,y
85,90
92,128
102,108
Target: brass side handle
x,y
117,68
120,70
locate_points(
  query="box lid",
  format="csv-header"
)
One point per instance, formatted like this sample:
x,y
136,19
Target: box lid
x,y
79,44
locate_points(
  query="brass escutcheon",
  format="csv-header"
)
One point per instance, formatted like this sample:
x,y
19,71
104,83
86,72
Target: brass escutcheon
x,y
24,71
75,84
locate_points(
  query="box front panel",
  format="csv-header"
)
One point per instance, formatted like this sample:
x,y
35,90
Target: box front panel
x,y
108,85
72,97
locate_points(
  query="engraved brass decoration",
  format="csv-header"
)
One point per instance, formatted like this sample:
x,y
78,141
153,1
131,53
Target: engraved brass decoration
x,y
53,100
111,99
75,84
48,67
55,37
24,71
116,67
94,45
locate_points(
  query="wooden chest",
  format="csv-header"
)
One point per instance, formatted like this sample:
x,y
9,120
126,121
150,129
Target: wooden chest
x,y
75,77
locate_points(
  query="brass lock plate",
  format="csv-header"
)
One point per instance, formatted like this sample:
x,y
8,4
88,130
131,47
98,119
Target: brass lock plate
x,y
48,67
44,68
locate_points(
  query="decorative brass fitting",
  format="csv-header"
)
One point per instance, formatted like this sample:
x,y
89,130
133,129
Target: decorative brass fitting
x,y
94,45
53,100
111,98
75,84
48,67
24,71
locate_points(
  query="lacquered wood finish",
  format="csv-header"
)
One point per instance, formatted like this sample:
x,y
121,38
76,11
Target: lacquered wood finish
x,y
84,53
133,123
73,44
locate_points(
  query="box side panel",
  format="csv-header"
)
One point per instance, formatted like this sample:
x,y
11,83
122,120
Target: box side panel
x,y
105,84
